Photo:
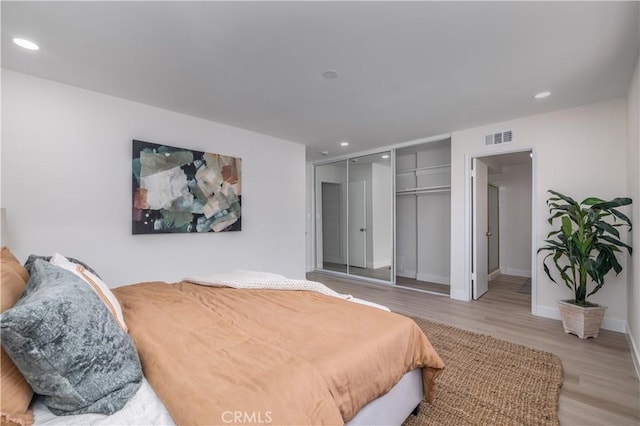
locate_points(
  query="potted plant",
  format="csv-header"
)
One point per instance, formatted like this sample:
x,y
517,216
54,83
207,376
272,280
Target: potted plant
x,y
584,249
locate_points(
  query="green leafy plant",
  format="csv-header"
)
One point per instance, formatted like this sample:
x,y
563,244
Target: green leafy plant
x,y
587,242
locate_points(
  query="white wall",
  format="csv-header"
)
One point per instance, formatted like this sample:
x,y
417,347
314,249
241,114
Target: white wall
x,y
572,148
515,218
633,180
66,186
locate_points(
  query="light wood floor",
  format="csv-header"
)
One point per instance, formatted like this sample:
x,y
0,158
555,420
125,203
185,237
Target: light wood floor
x,y
383,273
600,386
422,285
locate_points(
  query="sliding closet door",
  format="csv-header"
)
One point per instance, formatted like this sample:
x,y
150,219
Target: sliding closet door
x,y
354,216
358,231
371,216
331,216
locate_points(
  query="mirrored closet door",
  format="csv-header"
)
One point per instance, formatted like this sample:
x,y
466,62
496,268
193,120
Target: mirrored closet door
x,y
331,216
354,216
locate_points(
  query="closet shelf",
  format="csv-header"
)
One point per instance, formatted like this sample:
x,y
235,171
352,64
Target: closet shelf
x,y
440,166
424,190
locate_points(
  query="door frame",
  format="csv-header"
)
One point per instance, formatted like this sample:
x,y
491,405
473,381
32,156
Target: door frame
x,y
490,186
479,226
468,220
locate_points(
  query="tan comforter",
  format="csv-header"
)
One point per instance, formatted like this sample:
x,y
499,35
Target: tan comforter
x,y
269,356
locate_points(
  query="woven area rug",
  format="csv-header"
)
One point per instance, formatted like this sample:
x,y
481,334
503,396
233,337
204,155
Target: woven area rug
x,y
488,381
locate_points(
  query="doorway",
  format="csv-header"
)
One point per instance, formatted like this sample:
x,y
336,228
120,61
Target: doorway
x,y
502,224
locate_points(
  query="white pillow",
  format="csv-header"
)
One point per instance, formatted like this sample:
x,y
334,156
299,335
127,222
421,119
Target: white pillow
x,y
101,289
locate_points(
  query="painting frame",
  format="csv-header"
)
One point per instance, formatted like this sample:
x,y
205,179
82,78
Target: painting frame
x,y
180,190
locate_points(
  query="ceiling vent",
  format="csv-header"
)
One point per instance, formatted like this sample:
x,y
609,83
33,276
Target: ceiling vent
x,y
498,138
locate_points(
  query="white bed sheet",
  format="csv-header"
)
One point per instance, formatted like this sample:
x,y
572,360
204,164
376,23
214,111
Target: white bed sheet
x,y
248,279
144,408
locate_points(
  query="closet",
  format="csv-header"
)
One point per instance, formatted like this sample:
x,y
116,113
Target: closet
x,y
423,216
354,216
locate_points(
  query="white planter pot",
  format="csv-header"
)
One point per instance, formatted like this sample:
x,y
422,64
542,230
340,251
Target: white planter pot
x,y
581,321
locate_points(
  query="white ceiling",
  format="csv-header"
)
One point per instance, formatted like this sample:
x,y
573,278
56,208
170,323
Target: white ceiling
x,y
407,70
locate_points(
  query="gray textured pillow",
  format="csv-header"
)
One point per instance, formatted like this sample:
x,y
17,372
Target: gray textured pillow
x,y
68,346
33,257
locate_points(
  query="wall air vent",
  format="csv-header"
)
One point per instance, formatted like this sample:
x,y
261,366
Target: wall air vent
x,y
498,138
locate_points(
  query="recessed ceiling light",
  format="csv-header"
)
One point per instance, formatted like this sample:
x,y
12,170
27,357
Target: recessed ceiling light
x,y
354,160
385,156
344,143
330,74
26,44
542,95
324,152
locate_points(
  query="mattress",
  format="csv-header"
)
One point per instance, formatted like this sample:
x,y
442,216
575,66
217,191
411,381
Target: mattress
x,y
146,409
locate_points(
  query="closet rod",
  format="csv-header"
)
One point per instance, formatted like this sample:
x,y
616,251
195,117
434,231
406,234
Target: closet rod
x,y
443,188
433,191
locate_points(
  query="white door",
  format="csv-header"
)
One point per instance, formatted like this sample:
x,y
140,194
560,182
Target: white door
x,y
480,231
357,224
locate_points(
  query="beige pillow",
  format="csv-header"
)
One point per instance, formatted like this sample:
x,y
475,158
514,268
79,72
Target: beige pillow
x,y
5,254
15,392
10,261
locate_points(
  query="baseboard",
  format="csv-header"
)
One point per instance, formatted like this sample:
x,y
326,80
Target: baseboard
x,y
494,274
407,274
459,295
378,264
635,353
517,272
424,277
607,324
433,279
333,260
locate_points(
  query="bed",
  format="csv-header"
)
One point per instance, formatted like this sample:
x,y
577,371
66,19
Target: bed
x,y
251,349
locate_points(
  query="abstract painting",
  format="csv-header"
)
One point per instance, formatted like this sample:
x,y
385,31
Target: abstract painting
x,y
179,190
